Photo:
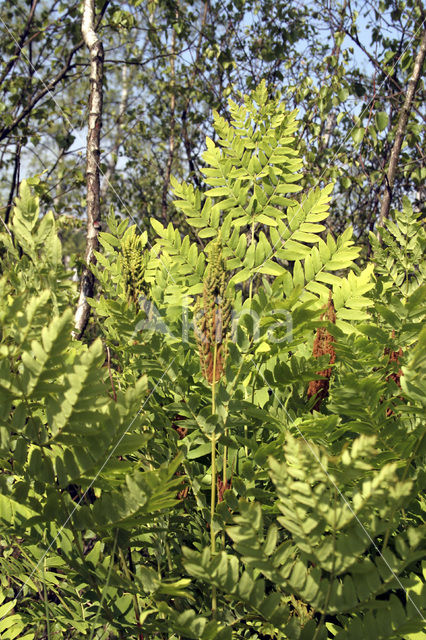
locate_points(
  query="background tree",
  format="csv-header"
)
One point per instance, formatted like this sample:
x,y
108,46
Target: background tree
x,y
93,154
346,67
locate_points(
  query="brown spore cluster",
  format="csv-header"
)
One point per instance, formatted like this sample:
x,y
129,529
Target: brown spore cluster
x,y
323,345
212,316
222,486
394,357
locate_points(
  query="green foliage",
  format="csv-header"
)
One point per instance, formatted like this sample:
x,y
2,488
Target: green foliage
x,y
133,264
31,257
109,450
68,483
253,169
331,511
400,261
349,86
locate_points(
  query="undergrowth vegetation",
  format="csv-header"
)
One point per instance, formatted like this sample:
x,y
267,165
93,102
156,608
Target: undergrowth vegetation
x,y
240,452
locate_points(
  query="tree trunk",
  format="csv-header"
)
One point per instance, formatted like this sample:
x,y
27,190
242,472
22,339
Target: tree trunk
x,y
96,53
400,132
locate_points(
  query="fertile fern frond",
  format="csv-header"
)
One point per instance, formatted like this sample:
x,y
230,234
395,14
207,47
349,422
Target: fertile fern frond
x,y
266,229
134,261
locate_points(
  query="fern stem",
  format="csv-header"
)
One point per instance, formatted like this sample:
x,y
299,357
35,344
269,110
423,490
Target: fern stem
x,y
91,579
224,477
251,279
35,567
130,579
225,461
245,428
214,378
46,601
169,557
404,475
332,575
213,483
105,586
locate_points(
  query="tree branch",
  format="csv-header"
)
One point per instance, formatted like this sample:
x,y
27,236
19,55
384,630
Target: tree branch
x,y
378,66
9,66
48,88
40,94
400,132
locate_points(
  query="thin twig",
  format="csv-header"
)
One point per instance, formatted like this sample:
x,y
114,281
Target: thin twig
x,y
14,181
400,132
110,374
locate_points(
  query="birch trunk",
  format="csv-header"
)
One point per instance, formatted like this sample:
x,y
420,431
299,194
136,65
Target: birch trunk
x,y
96,54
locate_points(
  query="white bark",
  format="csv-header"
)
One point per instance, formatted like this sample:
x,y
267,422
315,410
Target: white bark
x,y
96,54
